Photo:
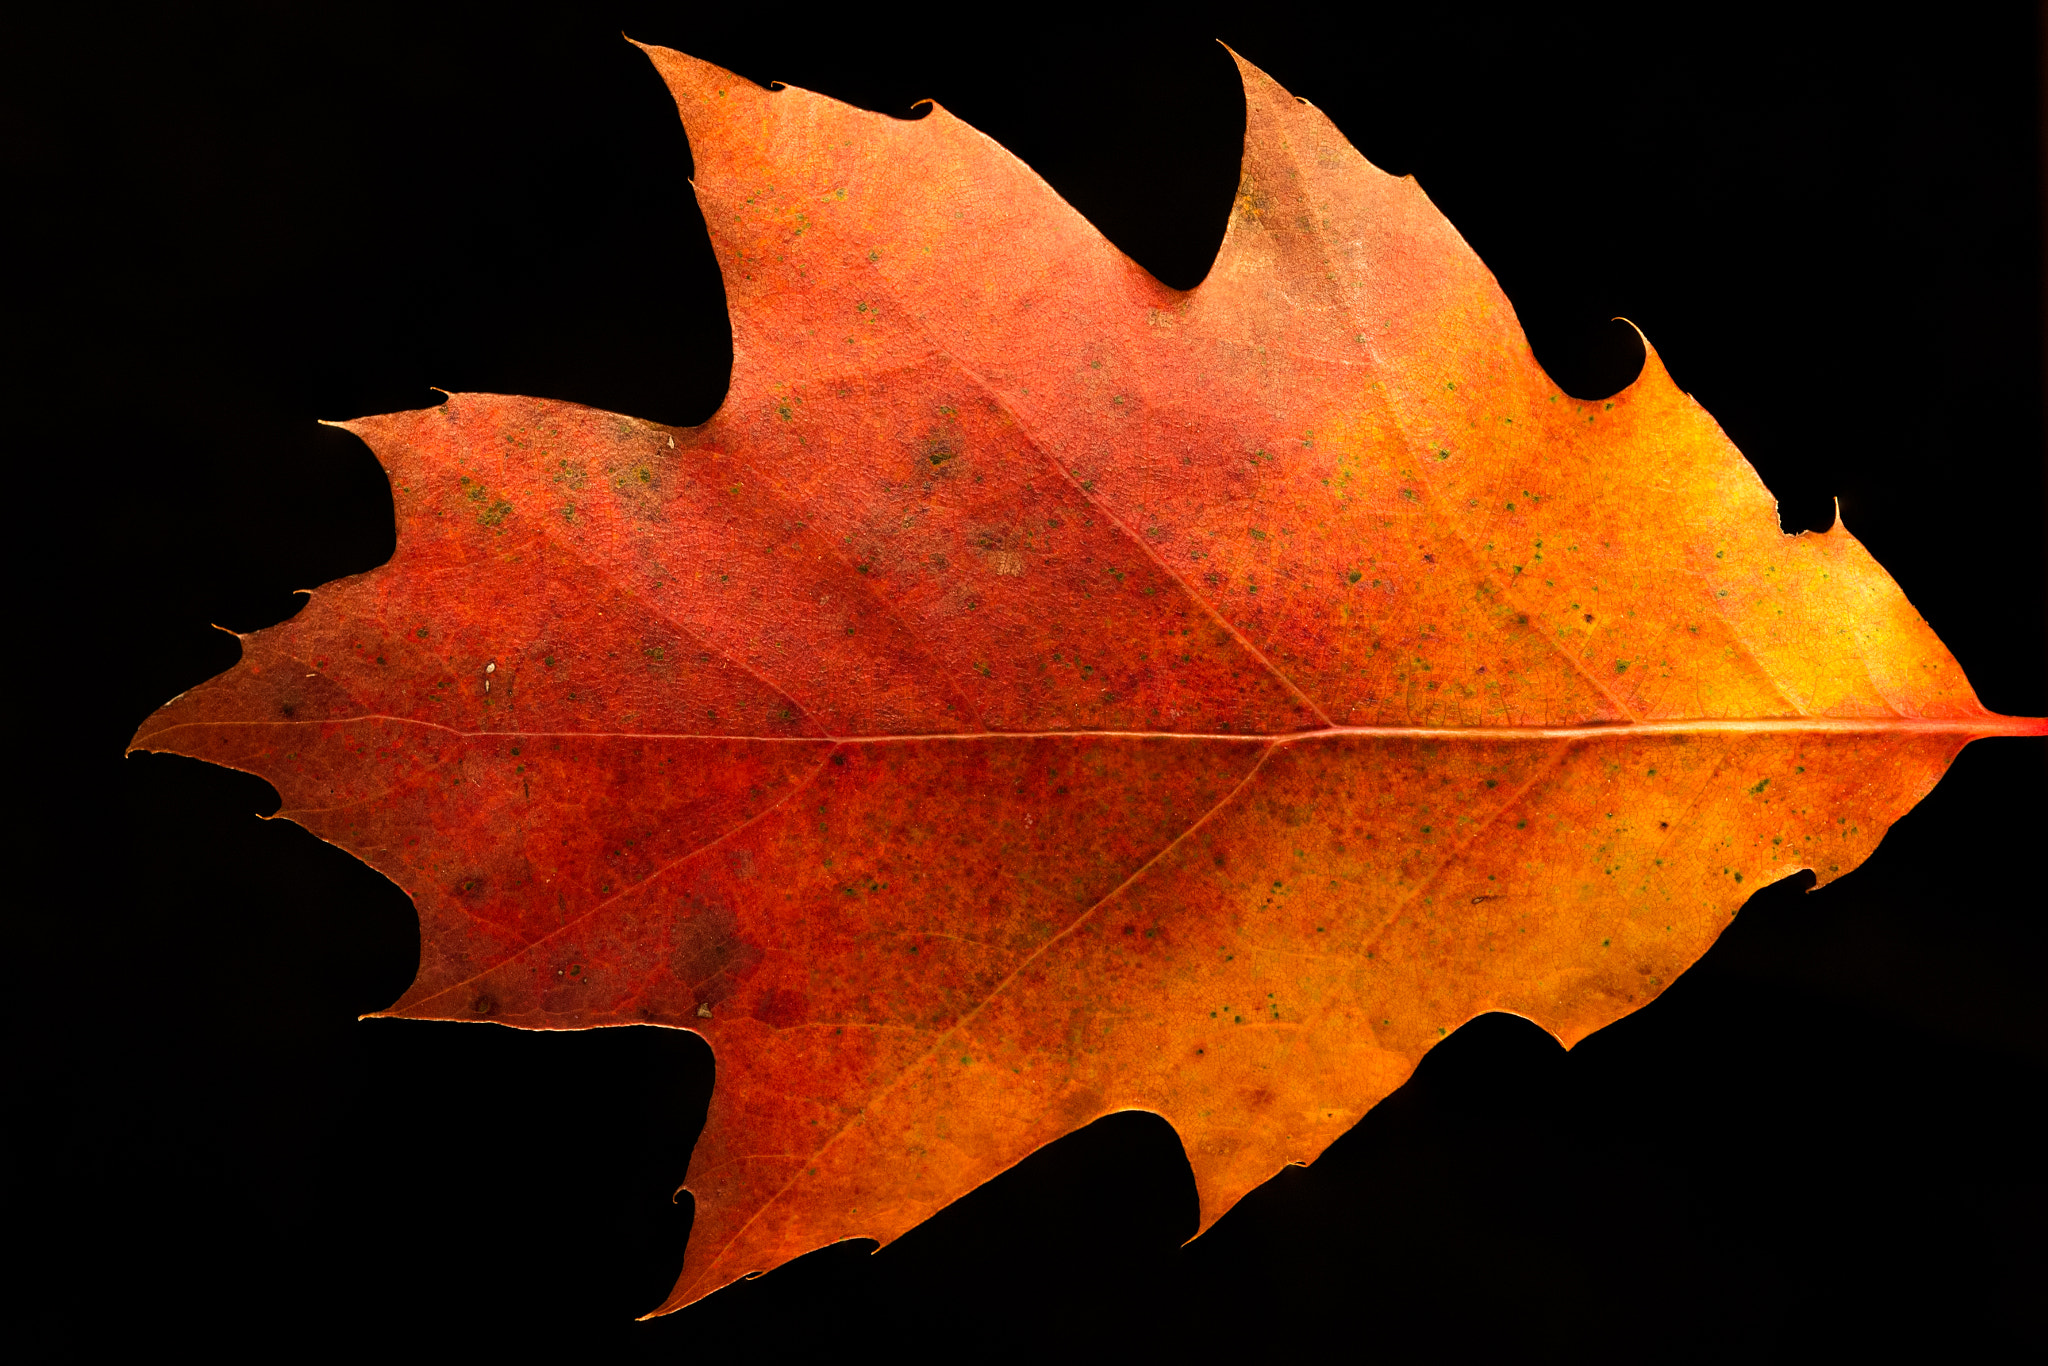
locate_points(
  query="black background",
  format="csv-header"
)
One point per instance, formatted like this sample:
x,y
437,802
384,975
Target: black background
x,y
1825,1139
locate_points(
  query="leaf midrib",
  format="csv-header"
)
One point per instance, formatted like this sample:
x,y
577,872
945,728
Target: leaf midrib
x,y
1986,724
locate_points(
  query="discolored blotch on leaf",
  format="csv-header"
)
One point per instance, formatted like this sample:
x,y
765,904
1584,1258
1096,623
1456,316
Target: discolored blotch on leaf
x,y
710,954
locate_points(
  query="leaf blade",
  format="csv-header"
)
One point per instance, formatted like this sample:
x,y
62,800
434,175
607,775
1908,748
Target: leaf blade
x,y
910,658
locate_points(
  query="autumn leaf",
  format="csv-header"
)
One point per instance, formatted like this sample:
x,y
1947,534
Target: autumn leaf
x,y
1040,693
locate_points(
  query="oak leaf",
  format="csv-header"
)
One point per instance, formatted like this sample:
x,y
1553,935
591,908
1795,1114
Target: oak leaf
x,y
1039,693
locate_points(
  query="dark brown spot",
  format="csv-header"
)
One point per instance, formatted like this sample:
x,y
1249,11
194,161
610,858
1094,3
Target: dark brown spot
x,y
709,953
781,1008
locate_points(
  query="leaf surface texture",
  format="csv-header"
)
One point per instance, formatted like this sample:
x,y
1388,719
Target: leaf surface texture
x,y
1039,693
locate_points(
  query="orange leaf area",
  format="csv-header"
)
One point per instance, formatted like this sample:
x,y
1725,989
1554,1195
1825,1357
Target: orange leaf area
x,y
1040,693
